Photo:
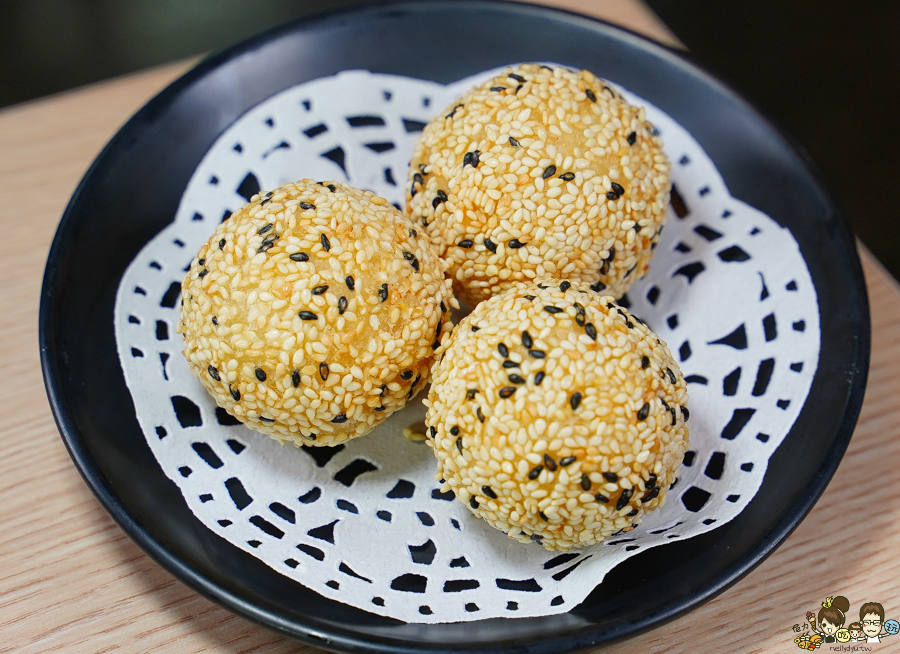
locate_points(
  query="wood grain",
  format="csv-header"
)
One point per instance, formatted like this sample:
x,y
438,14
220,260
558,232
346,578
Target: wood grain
x,y
71,581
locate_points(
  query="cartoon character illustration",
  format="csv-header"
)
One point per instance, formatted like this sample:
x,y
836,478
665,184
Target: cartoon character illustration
x,y
855,629
871,615
831,617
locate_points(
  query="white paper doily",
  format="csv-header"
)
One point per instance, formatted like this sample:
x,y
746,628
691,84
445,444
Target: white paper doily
x,y
364,523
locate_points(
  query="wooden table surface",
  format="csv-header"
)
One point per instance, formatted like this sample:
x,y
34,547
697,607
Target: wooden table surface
x,y
72,581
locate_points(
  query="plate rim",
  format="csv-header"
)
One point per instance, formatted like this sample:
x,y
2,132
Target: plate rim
x,y
342,640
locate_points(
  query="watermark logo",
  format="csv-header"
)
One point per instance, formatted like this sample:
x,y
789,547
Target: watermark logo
x,y
830,627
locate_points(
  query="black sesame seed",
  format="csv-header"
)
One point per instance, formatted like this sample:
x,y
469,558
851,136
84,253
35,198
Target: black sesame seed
x,y
624,498
611,477
580,316
265,228
518,78
299,256
350,282
618,188
472,158
318,290
549,463
664,403
516,379
645,362
650,495
543,517
441,195
513,142
452,113
339,418
235,393
598,286
518,88
552,309
260,374
307,315
215,320
515,244
601,498
591,95
380,408
644,411
413,190
213,372
549,172
307,205
409,256
203,273
591,331
503,350
629,324
632,513
479,414
475,328
406,375
470,393
473,503
454,430
530,297
510,364
632,138
264,419
466,243
267,245
384,390
567,177
612,196
569,460
498,88
435,345
575,401
651,481
672,411
685,413
433,432
535,472
324,371
342,305
538,378
435,203
671,375
326,244
609,90
507,391
526,339
585,482
564,286
295,378
490,245
487,490
221,243
383,293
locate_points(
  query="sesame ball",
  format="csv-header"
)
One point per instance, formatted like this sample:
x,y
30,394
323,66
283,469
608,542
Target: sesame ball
x,y
540,172
313,312
556,416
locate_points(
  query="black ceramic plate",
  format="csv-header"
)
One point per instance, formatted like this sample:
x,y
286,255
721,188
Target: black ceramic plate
x,y
132,190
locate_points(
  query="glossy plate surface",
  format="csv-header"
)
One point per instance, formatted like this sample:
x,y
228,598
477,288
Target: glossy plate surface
x,y
132,190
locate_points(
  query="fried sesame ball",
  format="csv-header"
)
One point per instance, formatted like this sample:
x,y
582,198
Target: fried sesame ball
x,y
313,312
540,172
557,416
